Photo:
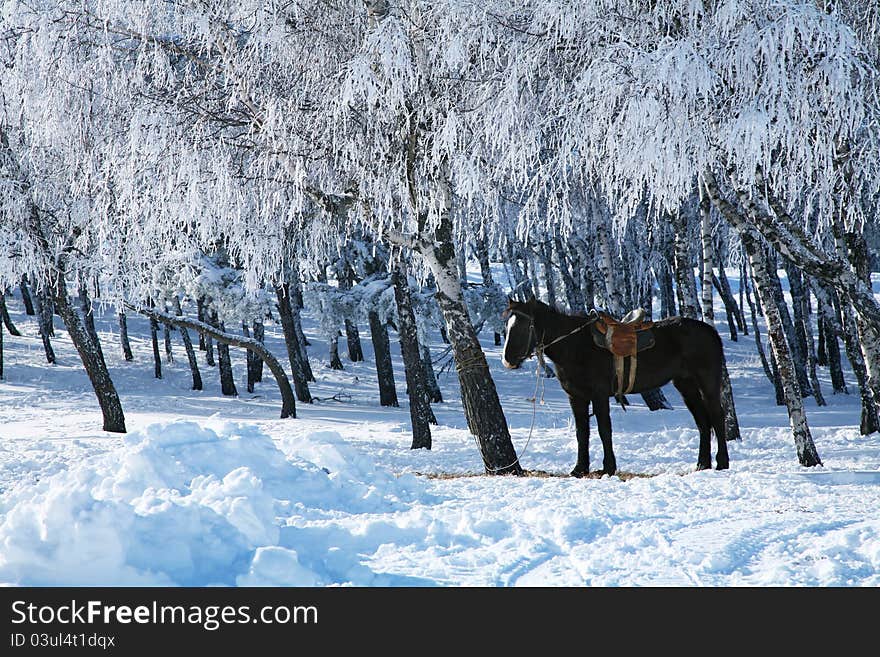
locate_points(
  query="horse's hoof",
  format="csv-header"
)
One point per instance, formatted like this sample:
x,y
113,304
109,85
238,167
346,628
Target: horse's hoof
x,y
704,466
723,466
609,469
580,472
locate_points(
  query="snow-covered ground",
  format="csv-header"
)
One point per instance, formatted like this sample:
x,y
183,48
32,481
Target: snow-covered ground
x,y
213,490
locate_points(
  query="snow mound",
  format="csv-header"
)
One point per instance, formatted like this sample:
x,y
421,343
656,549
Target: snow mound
x,y
182,504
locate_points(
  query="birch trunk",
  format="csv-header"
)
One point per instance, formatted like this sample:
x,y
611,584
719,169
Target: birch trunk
x,y
726,294
166,334
205,341
708,257
259,336
384,366
344,277
685,285
420,414
105,391
663,274
744,283
482,407
869,333
333,349
7,320
26,297
481,251
44,322
728,311
803,326
613,288
154,338
291,340
224,360
806,449
123,337
434,392
831,329
797,353
249,358
190,352
869,422
547,269
302,343
573,294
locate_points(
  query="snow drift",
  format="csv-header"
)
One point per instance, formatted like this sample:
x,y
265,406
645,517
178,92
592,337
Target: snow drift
x,y
181,504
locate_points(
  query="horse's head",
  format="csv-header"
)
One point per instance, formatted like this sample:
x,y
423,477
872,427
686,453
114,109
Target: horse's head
x,y
521,337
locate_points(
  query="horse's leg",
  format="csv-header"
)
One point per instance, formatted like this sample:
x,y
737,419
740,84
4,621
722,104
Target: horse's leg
x,y
716,417
602,411
690,393
581,407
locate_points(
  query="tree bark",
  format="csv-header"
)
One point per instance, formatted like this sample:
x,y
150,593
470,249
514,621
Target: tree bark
x,y
344,277
573,293
166,333
667,292
685,286
288,404
7,320
831,329
296,304
731,421
420,414
259,336
803,326
806,449
123,337
333,348
434,392
26,297
190,352
224,360
200,313
777,381
291,339
869,333
384,367
869,422
154,338
246,332
788,325
547,269
707,253
89,319
744,283
108,399
613,288
205,341
44,322
728,311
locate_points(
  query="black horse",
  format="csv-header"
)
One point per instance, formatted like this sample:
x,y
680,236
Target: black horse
x,y
687,352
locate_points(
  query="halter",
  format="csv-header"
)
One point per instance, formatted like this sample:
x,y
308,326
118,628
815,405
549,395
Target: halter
x,y
540,347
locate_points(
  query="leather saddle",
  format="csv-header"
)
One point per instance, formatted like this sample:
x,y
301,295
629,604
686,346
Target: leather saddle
x,y
624,338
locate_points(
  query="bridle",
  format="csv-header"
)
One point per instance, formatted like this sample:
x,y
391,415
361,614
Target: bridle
x,y
540,347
